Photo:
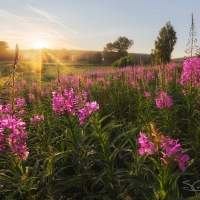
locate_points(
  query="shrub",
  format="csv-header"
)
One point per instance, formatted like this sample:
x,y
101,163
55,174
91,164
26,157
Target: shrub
x,y
123,62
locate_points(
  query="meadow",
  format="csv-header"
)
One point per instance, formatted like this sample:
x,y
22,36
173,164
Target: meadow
x,y
100,133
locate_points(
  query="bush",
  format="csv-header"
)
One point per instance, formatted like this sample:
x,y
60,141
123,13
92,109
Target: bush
x,y
123,62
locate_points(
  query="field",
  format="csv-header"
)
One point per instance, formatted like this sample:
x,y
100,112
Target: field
x,y
100,133
36,71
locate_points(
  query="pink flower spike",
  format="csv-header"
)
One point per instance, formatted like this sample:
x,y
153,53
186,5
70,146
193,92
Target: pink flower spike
x,y
163,101
147,147
31,97
147,94
181,159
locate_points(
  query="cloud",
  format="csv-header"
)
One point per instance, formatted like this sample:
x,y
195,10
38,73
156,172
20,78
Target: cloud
x,y
7,13
48,17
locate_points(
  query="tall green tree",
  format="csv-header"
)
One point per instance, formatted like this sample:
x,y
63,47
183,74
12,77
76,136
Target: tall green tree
x,y
116,50
164,45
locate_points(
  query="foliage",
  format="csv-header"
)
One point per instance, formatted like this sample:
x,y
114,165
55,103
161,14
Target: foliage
x,y
83,134
164,45
118,49
95,58
3,46
123,62
4,53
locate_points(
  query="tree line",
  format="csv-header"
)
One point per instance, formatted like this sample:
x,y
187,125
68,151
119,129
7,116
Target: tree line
x,y
116,53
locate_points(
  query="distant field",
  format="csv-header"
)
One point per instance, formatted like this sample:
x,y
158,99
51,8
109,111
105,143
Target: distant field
x,y
37,71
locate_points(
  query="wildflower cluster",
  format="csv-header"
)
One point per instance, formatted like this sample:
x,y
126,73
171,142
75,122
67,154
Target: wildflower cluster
x,y
191,72
163,100
169,148
12,132
37,119
74,104
147,94
147,147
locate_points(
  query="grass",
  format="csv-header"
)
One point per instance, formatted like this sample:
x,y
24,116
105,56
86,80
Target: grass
x,y
37,72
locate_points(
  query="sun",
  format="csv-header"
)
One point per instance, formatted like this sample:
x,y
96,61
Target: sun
x,y
40,44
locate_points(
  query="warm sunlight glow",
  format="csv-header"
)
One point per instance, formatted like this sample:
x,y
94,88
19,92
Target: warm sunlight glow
x,y
40,44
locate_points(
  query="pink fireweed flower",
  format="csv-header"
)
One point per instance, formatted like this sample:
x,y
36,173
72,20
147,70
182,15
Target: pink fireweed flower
x,y
74,104
58,103
6,108
33,84
2,137
31,97
184,92
163,101
13,136
20,102
191,72
92,106
100,79
23,82
37,119
181,159
170,79
84,113
147,147
147,94
150,76
104,87
42,93
108,83
169,146
89,81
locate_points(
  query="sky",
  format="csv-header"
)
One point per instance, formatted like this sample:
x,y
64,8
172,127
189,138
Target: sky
x,y
91,24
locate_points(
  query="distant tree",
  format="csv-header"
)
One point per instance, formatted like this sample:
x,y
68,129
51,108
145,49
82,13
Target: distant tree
x,y
3,46
152,57
66,57
95,58
118,49
164,45
123,62
4,53
191,45
82,57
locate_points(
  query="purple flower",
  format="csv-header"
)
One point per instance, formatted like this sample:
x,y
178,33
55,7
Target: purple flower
x,y
184,92
89,81
191,72
37,119
169,146
163,101
100,79
147,94
20,102
84,113
31,97
13,135
147,147
181,159
23,82
74,104
58,103
170,79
